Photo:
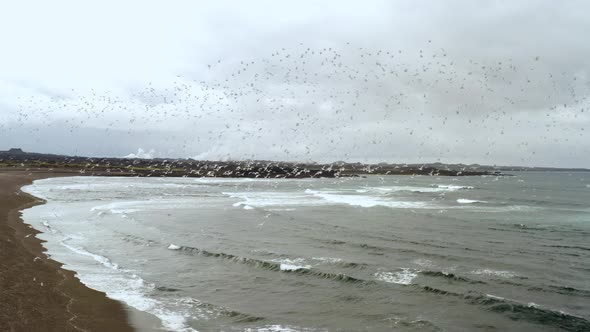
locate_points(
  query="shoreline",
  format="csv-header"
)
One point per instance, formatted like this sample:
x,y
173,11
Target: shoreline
x,y
37,293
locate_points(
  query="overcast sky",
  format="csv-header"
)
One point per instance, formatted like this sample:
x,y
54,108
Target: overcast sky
x,y
496,82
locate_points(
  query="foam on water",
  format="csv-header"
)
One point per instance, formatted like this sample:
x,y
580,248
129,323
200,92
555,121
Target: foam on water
x,y
469,201
453,187
272,198
424,262
101,273
98,258
287,264
125,286
419,189
362,200
212,180
495,273
120,207
317,197
330,260
403,277
389,189
291,267
273,328
494,297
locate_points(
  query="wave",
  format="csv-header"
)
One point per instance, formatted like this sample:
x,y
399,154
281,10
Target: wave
x,y
271,199
49,227
276,328
557,289
496,273
264,199
274,266
403,277
133,290
570,290
430,189
119,207
469,201
287,264
531,312
563,290
137,240
567,247
311,197
416,325
380,250
127,287
167,289
454,187
365,201
450,276
83,252
516,310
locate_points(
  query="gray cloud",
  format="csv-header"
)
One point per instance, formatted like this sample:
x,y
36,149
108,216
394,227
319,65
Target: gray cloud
x,y
415,81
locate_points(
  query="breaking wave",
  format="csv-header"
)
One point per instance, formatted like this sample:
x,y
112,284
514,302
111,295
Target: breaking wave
x,y
273,266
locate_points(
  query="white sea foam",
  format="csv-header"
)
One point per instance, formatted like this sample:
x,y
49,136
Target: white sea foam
x,y
362,200
291,267
119,207
330,260
424,262
311,197
122,285
496,273
272,328
469,201
317,197
174,247
265,199
403,277
154,203
98,258
420,189
287,264
48,226
494,297
406,188
212,180
453,187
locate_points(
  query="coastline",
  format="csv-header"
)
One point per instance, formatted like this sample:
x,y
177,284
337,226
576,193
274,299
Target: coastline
x,y
37,294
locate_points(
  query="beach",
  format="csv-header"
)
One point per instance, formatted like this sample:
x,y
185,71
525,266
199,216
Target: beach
x,y
36,293
378,253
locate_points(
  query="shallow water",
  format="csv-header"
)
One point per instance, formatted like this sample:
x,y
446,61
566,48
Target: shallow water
x,y
358,254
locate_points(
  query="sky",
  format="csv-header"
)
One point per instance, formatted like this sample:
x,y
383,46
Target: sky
x,y
495,82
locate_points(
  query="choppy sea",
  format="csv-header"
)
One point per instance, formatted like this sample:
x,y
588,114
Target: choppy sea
x,y
379,253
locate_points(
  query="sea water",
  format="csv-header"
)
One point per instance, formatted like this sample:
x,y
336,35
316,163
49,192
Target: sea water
x,y
377,253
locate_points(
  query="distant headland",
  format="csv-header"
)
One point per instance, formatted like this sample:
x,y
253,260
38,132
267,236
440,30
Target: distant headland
x,y
18,159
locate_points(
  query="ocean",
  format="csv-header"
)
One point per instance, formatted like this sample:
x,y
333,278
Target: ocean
x,y
378,253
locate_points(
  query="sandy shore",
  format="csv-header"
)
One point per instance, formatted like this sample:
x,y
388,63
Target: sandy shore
x,y
36,294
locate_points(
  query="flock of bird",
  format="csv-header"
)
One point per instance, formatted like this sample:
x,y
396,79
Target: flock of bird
x,y
307,102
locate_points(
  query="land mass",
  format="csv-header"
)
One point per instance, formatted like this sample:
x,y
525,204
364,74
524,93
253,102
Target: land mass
x,y
16,158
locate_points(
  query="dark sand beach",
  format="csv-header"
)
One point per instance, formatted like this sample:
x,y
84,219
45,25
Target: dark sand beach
x,y
36,293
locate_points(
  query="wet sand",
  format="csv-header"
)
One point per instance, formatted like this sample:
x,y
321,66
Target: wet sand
x,y
36,294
